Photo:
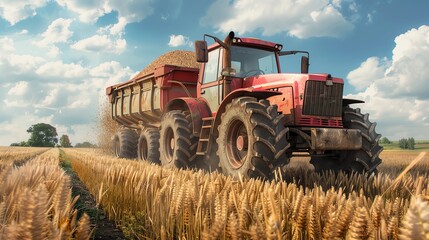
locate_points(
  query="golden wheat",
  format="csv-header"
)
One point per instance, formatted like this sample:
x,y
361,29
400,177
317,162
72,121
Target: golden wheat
x,y
35,201
170,203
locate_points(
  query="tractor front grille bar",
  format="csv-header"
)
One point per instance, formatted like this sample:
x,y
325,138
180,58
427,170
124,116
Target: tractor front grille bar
x,y
322,100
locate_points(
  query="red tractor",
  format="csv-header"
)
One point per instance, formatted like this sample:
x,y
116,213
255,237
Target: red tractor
x,y
239,114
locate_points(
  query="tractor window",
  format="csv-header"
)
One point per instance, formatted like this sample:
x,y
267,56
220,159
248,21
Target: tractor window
x,y
252,61
213,67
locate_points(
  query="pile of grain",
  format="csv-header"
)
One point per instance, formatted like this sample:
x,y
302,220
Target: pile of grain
x,y
178,58
106,127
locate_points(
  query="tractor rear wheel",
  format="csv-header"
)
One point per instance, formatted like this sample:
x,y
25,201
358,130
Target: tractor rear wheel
x,y
362,160
252,139
148,146
125,143
177,144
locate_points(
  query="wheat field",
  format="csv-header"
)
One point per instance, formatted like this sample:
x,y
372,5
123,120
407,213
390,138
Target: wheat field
x,y
35,197
151,202
148,201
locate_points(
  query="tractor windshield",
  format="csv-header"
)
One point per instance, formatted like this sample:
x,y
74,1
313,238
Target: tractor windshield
x,y
252,61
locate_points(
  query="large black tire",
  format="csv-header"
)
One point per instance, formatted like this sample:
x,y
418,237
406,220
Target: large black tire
x,y
148,145
177,144
252,139
125,143
363,160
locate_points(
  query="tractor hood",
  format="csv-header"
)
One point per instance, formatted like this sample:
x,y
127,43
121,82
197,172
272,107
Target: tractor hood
x,y
273,81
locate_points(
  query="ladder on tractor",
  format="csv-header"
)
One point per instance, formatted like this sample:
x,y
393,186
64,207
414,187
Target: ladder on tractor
x,y
206,133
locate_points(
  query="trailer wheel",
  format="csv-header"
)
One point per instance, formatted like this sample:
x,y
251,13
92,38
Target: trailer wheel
x,y
365,159
252,139
148,145
177,144
125,143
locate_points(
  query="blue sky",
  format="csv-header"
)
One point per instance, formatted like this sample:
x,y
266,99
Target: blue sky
x,y
57,56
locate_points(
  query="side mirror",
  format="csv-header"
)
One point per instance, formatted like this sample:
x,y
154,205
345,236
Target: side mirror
x,y
304,64
201,51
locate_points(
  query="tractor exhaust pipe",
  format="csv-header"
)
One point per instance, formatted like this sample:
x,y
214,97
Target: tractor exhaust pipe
x,y
227,69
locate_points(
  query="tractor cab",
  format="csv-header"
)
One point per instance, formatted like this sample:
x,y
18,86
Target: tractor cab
x,y
228,64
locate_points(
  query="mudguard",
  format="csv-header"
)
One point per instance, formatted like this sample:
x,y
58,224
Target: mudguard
x,y
348,101
198,109
258,94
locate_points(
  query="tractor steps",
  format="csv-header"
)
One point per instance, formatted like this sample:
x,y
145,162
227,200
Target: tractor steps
x,y
206,132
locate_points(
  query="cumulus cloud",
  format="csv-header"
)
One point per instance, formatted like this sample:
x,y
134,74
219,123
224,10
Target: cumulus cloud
x,y
65,95
6,45
57,32
19,89
368,72
397,95
302,19
179,40
20,64
101,43
90,11
15,11
58,69
114,29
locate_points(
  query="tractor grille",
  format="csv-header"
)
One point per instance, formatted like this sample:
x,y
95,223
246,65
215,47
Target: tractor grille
x,y
322,100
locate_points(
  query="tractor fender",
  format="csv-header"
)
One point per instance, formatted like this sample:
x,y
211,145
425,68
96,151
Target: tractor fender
x,y
198,109
348,101
258,94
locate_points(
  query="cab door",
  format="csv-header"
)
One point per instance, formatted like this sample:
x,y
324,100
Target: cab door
x,y
211,88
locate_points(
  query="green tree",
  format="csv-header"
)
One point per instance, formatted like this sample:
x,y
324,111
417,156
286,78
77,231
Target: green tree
x,y
385,140
403,143
42,135
411,143
85,145
65,141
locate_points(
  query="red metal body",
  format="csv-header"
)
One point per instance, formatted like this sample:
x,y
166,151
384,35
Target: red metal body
x,y
141,101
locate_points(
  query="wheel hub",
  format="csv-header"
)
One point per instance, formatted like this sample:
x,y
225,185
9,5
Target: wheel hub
x,y
241,143
172,143
237,144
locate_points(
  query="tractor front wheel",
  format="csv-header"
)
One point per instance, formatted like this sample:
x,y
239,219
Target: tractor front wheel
x,y
362,160
125,143
252,139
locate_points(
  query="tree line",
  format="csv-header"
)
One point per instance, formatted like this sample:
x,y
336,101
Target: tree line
x,y
404,143
45,135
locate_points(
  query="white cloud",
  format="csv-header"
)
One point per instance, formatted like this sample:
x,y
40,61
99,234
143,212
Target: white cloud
x,y
65,95
132,11
368,72
53,52
57,32
15,11
397,96
6,45
59,69
302,19
179,40
118,28
15,63
90,10
19,89
115,29
101,43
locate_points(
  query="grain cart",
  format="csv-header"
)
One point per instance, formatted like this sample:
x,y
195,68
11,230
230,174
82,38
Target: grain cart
x,y
238,113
